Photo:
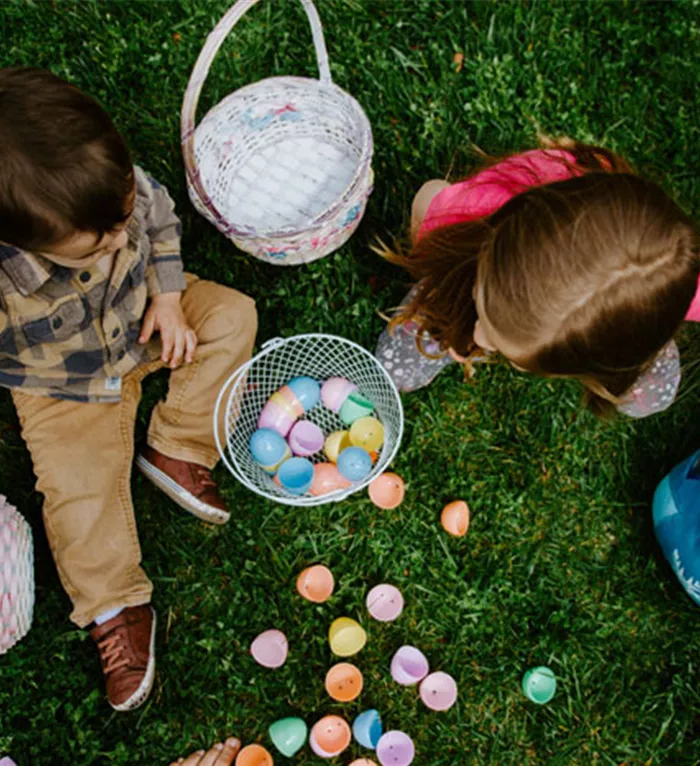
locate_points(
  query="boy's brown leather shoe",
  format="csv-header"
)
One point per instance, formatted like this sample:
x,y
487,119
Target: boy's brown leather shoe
x,y
127,649
190,485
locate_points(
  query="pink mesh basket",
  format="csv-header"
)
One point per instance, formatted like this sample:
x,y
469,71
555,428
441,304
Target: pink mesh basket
x,y
16,576
282,167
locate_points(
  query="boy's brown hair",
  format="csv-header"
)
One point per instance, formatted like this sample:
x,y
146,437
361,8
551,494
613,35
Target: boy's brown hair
x,y
64,167
592,276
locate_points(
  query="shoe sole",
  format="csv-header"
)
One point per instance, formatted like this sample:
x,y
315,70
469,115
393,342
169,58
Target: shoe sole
x,y
186,500
141,694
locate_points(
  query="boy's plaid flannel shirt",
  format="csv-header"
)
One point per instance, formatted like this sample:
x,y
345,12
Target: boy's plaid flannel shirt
x,y
73,333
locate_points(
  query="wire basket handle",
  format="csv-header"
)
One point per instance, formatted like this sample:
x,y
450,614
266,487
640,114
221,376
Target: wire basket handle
x,y
199,74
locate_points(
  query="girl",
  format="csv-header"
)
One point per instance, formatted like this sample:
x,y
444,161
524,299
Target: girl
x,y
560,259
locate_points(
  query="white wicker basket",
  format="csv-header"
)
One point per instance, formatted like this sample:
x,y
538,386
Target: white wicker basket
x,y
320,357
283,166
16,576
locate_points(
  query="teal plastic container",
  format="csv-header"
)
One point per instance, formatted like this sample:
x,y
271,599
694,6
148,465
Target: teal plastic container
x,y
676,512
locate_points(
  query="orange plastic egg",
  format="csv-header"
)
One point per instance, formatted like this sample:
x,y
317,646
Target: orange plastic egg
x,y
327,478
254,755
316,584
387,491
455,518
344,682
332,734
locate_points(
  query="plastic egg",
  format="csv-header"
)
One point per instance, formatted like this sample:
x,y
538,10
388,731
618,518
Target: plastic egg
x,y
363,762
539,684
254,755
306,390
330,736
367,433
327,478
438,691
368,729
354,463
387,491
385,603
277,418
355,407
335,444
270,649
305,438
316,584
344,682
395,749
335,391
409,666
288,735
296,475
269,449
455,518
346,637
285,399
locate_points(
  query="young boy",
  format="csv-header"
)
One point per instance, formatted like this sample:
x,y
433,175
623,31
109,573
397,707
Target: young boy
x,y
92,299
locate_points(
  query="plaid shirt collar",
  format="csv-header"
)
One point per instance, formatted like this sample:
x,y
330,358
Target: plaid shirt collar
x,y
27,271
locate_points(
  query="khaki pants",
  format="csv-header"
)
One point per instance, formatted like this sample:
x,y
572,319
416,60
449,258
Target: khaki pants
x,y
83,453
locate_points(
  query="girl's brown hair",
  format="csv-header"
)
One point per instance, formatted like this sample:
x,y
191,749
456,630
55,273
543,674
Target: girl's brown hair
x,y
590,276
64,167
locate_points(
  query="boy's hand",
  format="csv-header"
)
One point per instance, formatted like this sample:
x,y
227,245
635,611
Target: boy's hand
x,y
178,338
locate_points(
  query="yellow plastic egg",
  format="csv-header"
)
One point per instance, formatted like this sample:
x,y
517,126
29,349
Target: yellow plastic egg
x,y
455,518
347,637
335,444
367,433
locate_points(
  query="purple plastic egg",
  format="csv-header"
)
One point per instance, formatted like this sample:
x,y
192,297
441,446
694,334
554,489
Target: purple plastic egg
x,y
439,691
305,438
409,666
395,749
385,602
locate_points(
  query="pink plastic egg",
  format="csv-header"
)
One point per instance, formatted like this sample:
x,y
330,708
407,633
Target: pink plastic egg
x,y
439,691
387,491
270,649
335,391
363,762
385,603
455,518
327,478
285,398
277,418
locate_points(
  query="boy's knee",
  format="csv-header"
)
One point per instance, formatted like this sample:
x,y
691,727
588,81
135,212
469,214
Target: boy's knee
x,y
230,312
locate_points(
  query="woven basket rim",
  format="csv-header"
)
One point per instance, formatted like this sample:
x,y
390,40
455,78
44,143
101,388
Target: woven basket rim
x,y
361,171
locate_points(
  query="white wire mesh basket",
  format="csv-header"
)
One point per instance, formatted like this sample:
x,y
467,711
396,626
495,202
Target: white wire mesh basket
x,y
320,357
16,576
283,166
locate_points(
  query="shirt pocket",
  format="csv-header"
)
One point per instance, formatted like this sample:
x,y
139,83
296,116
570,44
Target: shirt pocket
x,y
56,323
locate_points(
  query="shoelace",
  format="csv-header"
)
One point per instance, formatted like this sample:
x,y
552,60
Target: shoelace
x,y
112,653
204,477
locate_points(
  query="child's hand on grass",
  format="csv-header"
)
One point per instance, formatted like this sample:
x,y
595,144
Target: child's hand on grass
x,y
222,754
165,316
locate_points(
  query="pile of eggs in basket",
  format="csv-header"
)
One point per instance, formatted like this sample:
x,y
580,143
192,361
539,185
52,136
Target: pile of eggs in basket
x,y
284,441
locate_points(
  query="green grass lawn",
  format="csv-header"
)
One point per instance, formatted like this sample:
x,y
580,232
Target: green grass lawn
x,y
560,566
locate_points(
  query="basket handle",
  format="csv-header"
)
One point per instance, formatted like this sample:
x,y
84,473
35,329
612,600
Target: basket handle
x,y
199,74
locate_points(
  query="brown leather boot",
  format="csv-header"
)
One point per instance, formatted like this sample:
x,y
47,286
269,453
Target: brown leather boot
x,y
127,649
190,485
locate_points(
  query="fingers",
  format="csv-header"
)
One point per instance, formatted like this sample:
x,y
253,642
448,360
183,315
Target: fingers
x,y
190,345
192,760
229,752
149,325
178,348
212,755
167,339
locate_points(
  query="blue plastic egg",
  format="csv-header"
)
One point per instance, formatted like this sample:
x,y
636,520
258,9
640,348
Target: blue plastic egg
x,y
296,475
368,729
306,390
268,449
354,463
